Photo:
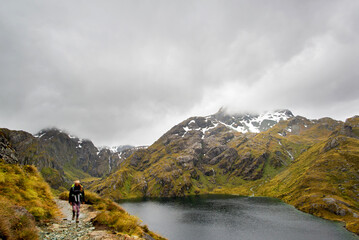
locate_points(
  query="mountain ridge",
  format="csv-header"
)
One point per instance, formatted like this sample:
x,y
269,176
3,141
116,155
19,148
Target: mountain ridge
x,y
60,157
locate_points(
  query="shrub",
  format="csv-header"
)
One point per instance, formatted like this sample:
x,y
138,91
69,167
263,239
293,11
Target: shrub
x,y
145,228
120,221
38,212
5,225
112,206
64,195
92,198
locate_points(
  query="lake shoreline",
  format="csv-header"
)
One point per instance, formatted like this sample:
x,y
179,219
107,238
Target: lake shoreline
x,y
224,195
188,207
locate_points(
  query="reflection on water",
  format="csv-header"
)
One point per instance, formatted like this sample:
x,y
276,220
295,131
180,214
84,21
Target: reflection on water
x,y
224,217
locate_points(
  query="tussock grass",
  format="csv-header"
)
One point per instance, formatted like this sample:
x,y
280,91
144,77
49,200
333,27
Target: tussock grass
x,y
16,222
25,198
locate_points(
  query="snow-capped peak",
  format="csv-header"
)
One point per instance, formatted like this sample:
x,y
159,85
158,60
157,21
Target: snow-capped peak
x,y
244,123
254,123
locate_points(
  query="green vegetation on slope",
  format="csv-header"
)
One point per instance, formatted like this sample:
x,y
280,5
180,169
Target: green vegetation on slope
x,y
322,181
25,198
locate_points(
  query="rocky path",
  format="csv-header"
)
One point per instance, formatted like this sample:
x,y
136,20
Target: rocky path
x,y
65,228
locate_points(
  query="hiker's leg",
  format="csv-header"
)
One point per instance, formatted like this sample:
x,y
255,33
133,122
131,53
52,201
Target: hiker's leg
x,y
73,211
77,210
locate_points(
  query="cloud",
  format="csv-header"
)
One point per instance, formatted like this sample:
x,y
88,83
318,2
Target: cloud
x,y
124,72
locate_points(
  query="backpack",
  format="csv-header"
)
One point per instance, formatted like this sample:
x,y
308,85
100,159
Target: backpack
x,y
75,194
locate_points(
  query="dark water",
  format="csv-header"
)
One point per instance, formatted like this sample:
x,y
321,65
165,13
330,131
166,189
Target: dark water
x,y
241,218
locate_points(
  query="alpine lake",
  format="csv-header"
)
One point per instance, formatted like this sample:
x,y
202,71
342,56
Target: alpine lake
x,y
233,217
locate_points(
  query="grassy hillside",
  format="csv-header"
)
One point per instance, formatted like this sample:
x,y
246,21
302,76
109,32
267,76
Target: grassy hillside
x,y
324,180
25,198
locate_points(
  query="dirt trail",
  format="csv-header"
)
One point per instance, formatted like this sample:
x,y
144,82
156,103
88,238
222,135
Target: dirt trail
x,y
66,228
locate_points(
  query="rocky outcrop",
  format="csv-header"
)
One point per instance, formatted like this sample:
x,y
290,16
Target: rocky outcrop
x,y
333,143
351,127
6,152
249,167
139,158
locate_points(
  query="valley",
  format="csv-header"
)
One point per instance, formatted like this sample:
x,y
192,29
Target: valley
x,y
310,164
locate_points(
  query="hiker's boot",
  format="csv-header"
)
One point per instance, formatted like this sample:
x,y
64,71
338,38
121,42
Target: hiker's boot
x,y
77,218
73,215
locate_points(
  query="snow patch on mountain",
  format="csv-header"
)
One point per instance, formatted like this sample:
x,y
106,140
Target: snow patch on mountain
x,y
120,148
39,135
204,130
79,142
113,149
244,123
253,123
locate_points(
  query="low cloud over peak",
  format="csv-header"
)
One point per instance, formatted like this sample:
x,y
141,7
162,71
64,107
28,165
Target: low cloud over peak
x,y
124,72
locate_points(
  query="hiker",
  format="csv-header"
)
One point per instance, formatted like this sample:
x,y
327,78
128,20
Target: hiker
x,y
76,196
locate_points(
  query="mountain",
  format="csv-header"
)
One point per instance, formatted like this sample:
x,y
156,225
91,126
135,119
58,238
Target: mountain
x,y
202,152
59,156
116,155
311,164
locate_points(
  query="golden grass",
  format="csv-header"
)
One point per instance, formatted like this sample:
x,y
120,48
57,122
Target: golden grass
x,y
16,222
25,199
23,186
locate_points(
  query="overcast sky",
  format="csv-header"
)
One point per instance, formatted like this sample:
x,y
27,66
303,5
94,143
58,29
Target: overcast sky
x,y
124,72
